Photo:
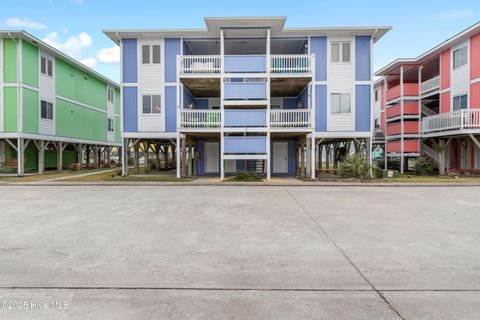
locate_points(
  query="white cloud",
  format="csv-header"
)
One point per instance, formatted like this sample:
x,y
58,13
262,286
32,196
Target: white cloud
x,y
73,46
455,14
89,62
24,23
78,1
109,55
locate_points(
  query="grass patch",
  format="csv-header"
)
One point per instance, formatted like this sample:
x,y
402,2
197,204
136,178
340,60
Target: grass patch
x,y
244,176
47,175
415,178
149,178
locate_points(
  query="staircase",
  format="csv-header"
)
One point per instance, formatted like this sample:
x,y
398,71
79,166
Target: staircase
x,y
433,155
427,111
257,166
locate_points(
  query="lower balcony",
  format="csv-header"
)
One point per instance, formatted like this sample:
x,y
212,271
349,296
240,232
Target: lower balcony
x,y
409,146
458,121
290,118
245,118
245,145
409,108
200,118
409,127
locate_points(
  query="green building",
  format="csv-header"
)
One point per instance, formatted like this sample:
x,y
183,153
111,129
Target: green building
x,y
54,111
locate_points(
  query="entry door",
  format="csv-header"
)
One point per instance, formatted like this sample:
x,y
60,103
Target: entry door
x,y
280,157
212,157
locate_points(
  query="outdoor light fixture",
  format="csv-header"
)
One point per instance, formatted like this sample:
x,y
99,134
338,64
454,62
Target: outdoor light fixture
x,y
300,104
191,104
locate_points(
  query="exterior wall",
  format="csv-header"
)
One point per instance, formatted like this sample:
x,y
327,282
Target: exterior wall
x,y
30,111
9,61
10,114
321,108
445,64
47,93
362,108
475,72
30,64
318,46
460,77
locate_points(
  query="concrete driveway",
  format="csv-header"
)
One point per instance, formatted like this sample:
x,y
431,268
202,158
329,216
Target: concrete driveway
x,y
245,252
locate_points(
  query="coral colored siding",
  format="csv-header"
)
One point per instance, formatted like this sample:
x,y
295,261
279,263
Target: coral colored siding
x,y
409,146
409,127
445,69
475,56
475,95
409,89
445,102
408,108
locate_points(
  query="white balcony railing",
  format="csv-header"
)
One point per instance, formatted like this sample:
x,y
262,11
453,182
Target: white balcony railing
x,y
452,121
430,84
200,64
200,118
290,118
290,63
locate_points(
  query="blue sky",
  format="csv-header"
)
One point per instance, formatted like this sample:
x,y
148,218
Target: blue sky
x,y
75,26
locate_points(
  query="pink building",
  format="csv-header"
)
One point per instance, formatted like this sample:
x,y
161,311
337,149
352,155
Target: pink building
x,y
429,106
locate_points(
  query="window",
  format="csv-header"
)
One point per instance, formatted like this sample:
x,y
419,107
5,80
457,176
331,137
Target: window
x,y
459,57
340,103
340,52
376,95
151,104
46,66
110,125
111,95
46,110
151,51
460,102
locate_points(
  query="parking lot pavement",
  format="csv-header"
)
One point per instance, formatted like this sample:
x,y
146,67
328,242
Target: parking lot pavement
x,y
243,252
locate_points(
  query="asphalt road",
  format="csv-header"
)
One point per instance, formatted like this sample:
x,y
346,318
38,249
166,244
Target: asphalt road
x,y
239,252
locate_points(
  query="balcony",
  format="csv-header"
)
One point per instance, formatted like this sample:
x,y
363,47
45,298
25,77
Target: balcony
x,y
245,64
245,90
409,89
446,123
409,108
291,64
409,146
200,118
290,118
409,127
245,118
200,65
430,85
245,145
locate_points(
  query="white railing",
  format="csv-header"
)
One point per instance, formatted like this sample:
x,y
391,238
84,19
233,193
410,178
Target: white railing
x,y
290,118
200,64
430,84
200,118
290,63
428,111
434,155
456,120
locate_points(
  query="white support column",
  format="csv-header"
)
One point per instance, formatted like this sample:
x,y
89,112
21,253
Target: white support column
x,y
269,156
402,142
222,108
125,148
312,155
59,156
308,157
20,157
41,157
177,155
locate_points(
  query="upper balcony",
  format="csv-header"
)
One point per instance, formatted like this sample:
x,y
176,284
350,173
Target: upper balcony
x,y
287,65
430,85
409,90
450,123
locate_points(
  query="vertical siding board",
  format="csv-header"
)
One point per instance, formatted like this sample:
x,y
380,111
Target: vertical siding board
x,y
292,159
318,46
445,69
30,64
250,63
10,109
130,109
362,108
30,111
475,56
9,61
321,108
245,90
172,49
129,60
362,58
170,109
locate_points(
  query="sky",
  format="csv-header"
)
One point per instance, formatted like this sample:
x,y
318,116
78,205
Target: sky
x,y
75,26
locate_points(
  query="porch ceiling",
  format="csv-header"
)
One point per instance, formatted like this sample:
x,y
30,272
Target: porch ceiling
x,y
203,88
287,87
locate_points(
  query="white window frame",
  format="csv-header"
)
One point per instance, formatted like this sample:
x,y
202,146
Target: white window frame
x,y
110,95
459,50
52,113
341,112
47,60
151,104
110,125
340,52
150,54
459,97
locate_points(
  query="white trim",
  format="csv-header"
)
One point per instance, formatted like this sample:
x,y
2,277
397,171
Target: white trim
x,y
150,135
475,81
342,134
245,157
56,138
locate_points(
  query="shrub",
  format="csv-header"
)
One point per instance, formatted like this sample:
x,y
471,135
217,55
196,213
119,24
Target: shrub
x,y
354,167
424,167
245,176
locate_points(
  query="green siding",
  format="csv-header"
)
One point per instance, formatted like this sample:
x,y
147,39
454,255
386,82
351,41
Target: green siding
x,y
77,85
31,158
74,121
117,102
30,64
30,111
10,109
118,133
9,60
50,162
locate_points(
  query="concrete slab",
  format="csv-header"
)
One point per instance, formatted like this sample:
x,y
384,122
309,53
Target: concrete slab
x,y
404,238
190,304
168,237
